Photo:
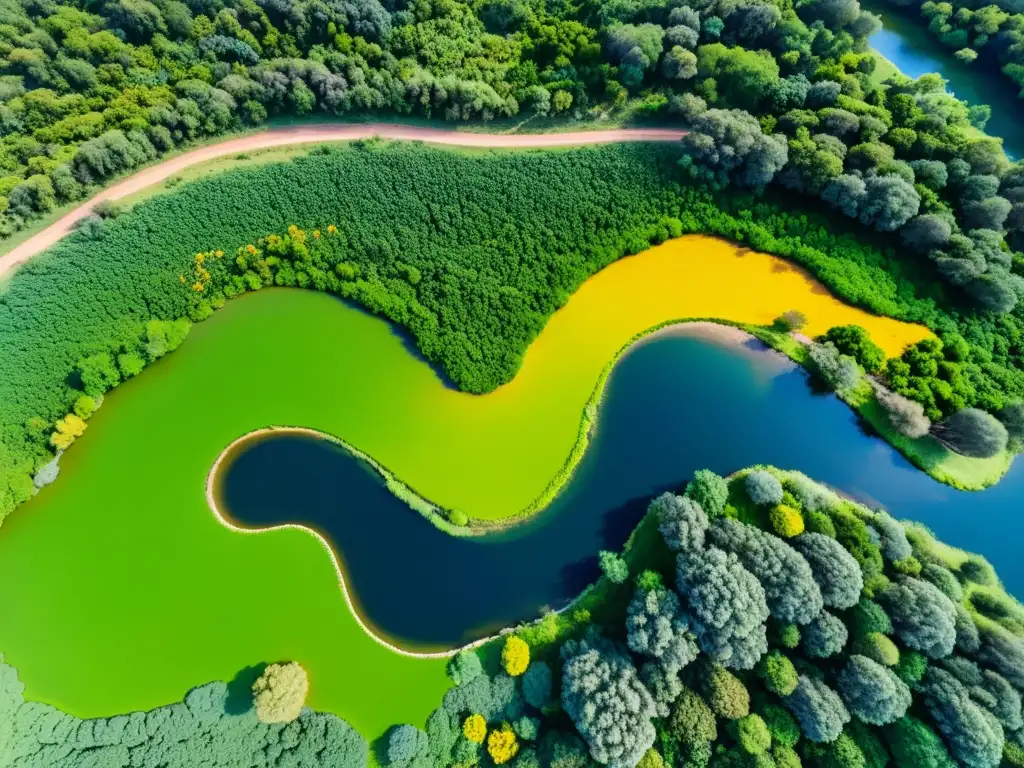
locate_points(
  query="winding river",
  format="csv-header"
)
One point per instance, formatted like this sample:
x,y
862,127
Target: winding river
x,y
660,422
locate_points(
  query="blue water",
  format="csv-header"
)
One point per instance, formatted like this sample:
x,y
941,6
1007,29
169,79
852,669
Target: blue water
x,y
907,43
674,404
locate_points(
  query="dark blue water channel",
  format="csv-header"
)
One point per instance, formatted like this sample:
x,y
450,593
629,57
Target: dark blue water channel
x,y
674,404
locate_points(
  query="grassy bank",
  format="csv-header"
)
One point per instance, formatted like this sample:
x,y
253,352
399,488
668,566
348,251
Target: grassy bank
x,y
926,453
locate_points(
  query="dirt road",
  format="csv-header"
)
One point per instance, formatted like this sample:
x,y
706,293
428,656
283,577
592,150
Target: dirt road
x,y
277,137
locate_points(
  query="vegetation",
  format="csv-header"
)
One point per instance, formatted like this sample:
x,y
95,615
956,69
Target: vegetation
x,y
622,198
987,37
213,726
958,706
280,692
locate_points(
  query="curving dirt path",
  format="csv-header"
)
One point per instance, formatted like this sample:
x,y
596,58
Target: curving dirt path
x,y
277,137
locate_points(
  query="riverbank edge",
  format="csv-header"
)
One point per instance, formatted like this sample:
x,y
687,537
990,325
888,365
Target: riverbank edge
x,y
440,517
975,475
401,491
781,342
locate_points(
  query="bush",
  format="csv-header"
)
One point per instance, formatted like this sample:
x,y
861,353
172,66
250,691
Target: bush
x,y
818,709
923,618
753,735
681,521
515,656
786,521
46,474
839,372
279,692
502,745
905,416
871,692
778,673
613,567
85,407
763,488
710,491
788,636
537,685
474,728
791,320
854,341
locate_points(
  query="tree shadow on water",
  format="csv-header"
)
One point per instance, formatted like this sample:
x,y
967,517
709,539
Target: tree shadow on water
x,y
620,522
239,700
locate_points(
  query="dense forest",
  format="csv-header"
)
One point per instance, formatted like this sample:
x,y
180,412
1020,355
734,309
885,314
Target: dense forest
x,y
756,622
776,93
470,253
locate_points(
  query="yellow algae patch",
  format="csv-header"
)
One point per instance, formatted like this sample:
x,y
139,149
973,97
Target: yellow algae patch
x,y
492,455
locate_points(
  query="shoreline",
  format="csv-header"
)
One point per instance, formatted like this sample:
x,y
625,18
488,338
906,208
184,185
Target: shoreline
x,y
718,332
224,520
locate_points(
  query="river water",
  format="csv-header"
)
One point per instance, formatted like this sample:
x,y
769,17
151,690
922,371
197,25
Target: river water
x,y
907,43
674,404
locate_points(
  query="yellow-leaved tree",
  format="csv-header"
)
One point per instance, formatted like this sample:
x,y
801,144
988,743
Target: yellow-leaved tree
x,y
502,745
786,521
280,692
66,430
515,656
475,728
